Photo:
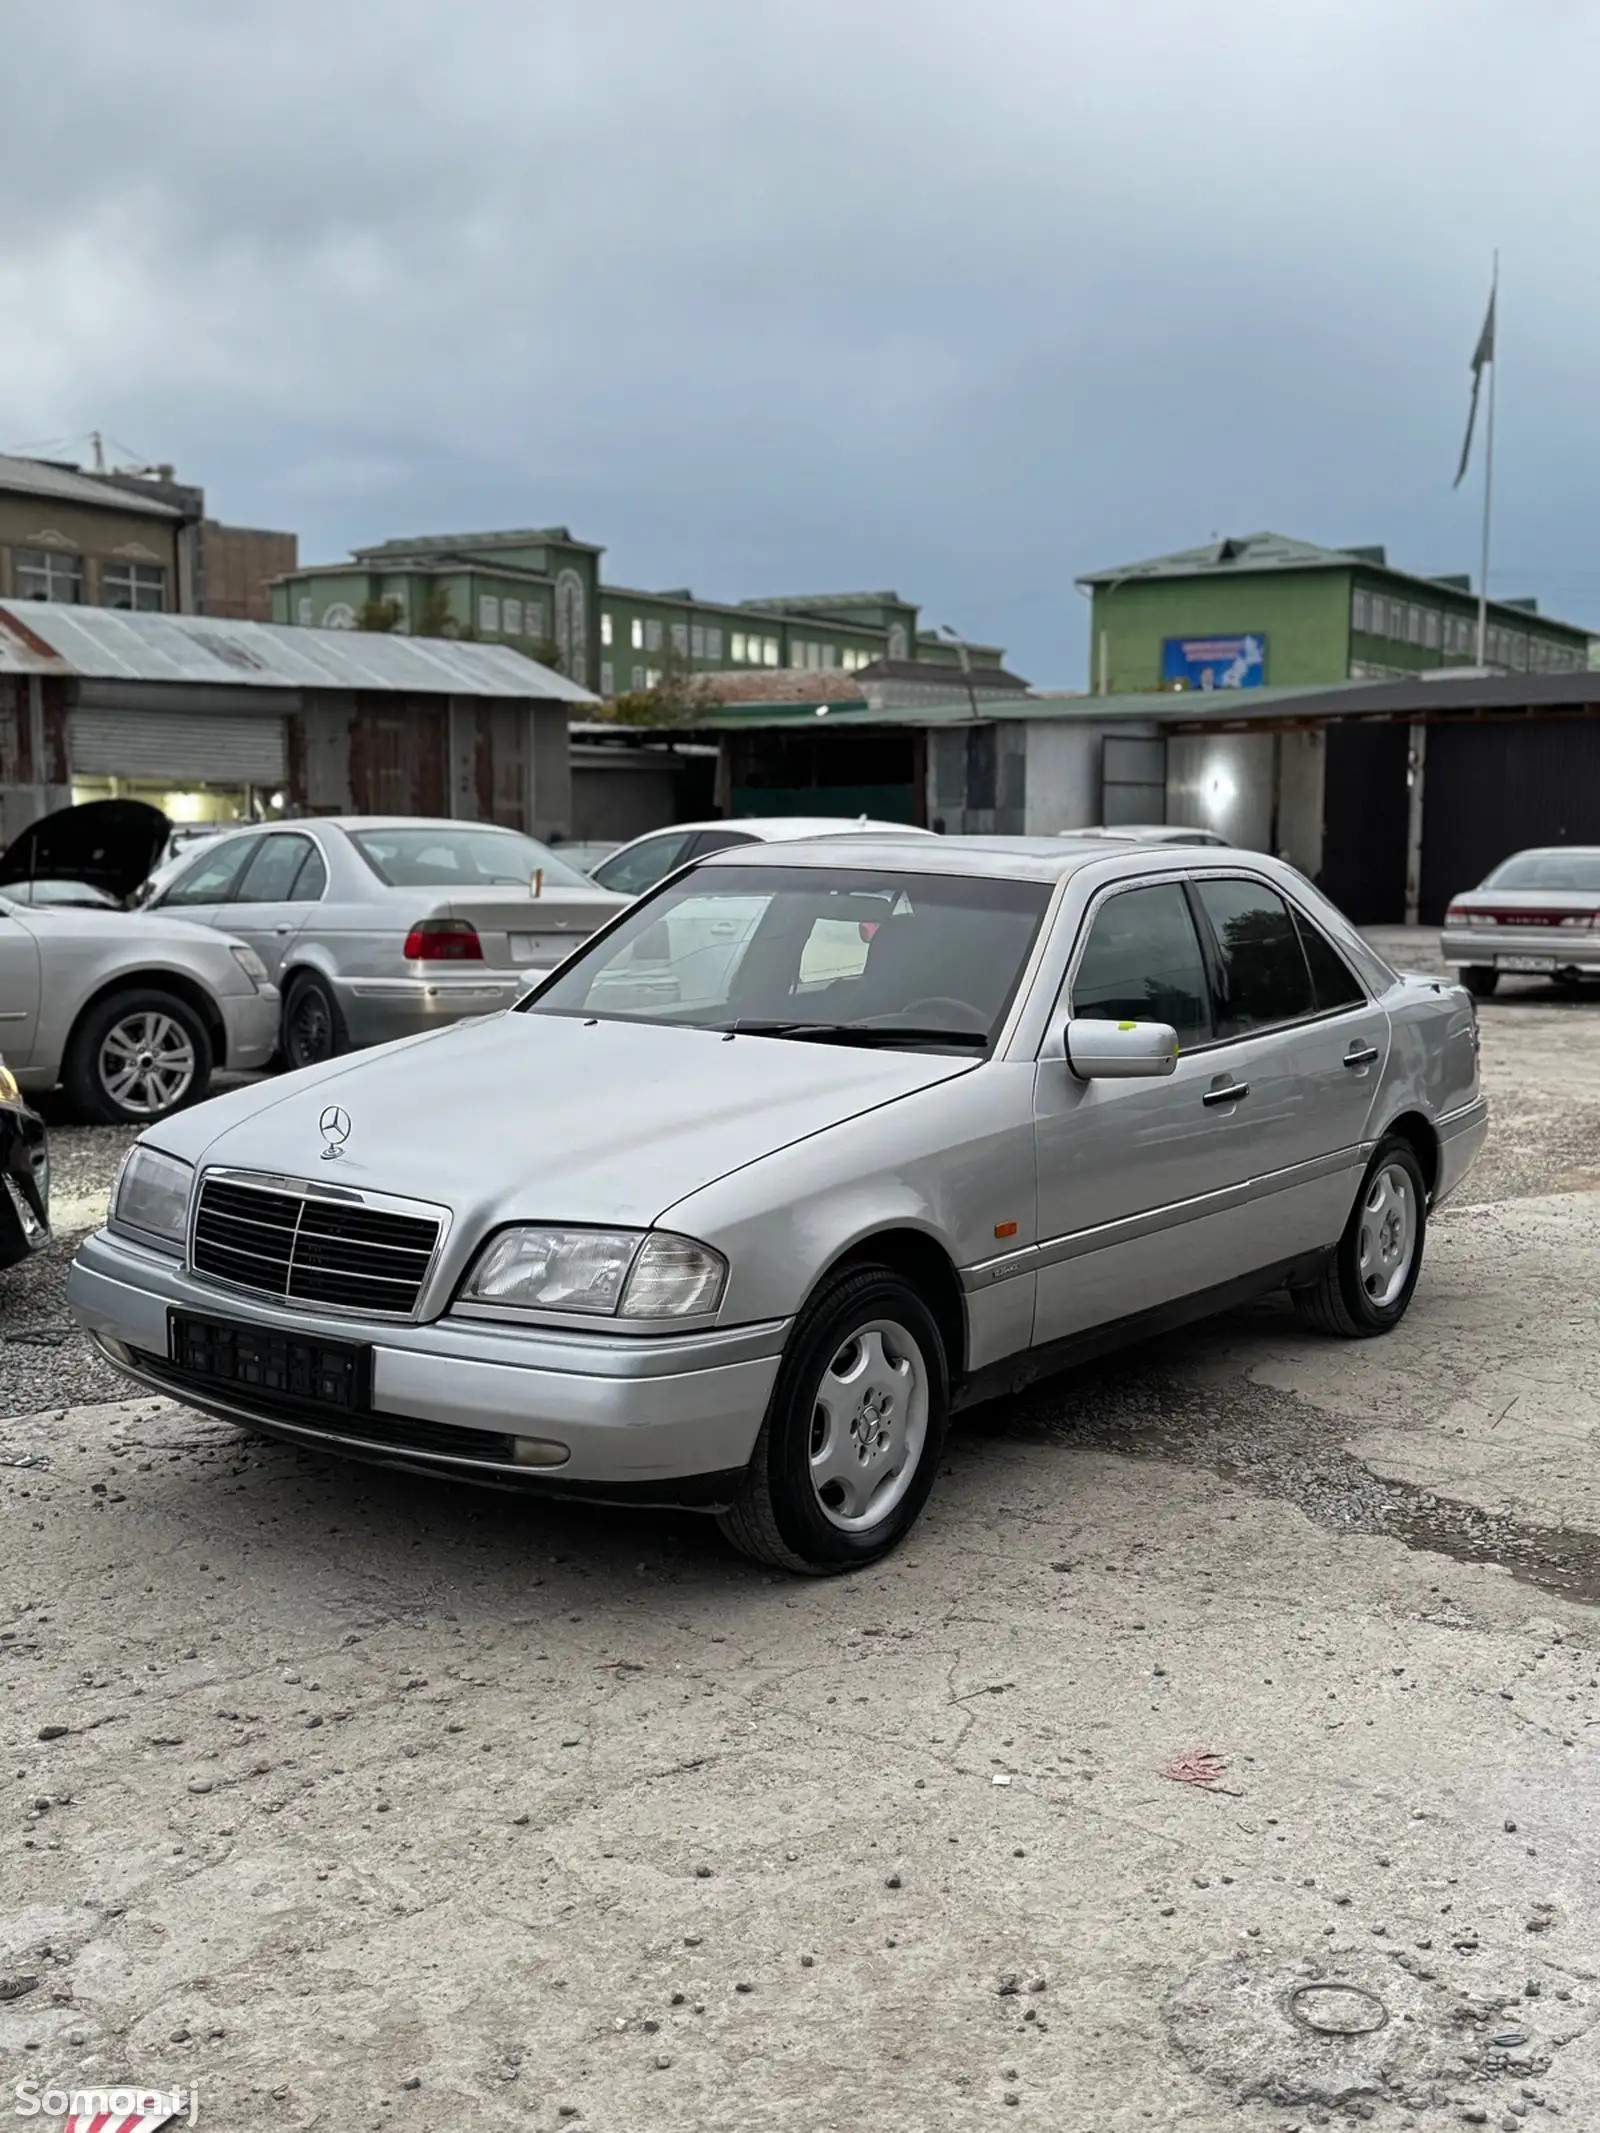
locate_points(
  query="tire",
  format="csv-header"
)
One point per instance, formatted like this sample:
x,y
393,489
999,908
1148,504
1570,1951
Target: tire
x,y
1479,980
825,1397
1362,1291
137,1056
311,1028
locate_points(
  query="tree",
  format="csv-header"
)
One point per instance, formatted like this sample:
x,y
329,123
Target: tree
x,y
678,697
434,618
379,615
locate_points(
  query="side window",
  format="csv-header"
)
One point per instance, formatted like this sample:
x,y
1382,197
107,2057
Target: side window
x,y
312,878
270,876
1332,980
1263,978
210,880
1142,963
639,868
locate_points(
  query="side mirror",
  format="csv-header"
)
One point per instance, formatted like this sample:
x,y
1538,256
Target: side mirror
x,y
1120,1051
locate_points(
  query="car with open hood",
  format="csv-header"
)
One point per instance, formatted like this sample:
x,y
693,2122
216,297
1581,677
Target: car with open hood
x,y
809,1147
129,1011
379,926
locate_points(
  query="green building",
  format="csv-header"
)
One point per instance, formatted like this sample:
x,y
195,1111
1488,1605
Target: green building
x,y
1267,611
540,590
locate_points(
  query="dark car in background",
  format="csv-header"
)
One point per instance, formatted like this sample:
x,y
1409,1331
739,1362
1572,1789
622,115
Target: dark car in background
x,y
24,1175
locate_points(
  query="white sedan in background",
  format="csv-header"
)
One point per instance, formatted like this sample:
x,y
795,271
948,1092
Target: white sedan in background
x,y
640,865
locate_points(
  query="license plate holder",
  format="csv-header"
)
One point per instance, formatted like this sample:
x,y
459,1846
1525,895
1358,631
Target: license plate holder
x,y
1540,963
290,1369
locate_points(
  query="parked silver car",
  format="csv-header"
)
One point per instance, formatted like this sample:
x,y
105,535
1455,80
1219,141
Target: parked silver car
x,y
130,1012
739,1231
1537,913
638,866
376,926
1150,833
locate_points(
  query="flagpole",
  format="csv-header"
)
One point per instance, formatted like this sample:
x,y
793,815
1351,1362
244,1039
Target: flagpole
x,y
1488,471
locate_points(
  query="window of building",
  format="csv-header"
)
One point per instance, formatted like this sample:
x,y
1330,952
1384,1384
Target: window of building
x,y
1519,653
303,612
607,627
142,586
489,613
608,678
713,643
533,620
697,641
638,678
769,651
652,676
680,639
1413,625
652,635
1430,629
1359,612
1379,610
830,655
512,613
738,647
637,637
42,575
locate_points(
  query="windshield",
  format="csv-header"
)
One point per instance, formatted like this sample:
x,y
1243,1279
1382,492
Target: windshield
x,y
1548,870
835,955
439,857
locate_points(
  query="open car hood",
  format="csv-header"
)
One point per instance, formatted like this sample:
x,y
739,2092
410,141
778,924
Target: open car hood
x,y
111,843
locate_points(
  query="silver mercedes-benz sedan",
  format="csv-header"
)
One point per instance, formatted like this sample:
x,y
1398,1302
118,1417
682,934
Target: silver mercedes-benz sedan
x,y
377,926
807,1149
1536,914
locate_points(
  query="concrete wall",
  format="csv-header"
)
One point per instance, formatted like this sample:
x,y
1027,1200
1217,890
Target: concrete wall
x,y
1301,760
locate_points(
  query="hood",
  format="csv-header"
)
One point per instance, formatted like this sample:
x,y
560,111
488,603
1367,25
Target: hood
x,y
111,843
541,1118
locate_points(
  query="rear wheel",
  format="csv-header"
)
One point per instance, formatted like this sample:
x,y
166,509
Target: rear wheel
x,y
1480,980
136,1057
1367,1286
312,1028
850,1445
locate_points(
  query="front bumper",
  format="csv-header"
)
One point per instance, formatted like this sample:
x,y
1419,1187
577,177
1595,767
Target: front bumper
x,y
24,1183
375,1010
251,1022
665,1420
1503,947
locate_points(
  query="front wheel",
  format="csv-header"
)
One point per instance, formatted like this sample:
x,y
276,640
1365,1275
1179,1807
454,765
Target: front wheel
x,y
1367,1286
1480,980
135,1057
850,1445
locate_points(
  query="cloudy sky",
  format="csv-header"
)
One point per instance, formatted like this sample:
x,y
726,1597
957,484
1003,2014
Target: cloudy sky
x,y
774,297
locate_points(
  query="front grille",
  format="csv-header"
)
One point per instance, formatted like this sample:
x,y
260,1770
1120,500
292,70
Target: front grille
x,y
311,1250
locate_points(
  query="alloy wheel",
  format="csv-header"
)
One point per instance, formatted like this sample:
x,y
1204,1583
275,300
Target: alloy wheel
x,y
1388,1235
147,1063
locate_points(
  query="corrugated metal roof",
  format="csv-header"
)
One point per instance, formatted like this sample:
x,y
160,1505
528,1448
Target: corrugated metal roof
x,y
106,644
36,477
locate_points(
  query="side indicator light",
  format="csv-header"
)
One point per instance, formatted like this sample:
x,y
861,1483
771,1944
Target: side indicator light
x,y
1005,1229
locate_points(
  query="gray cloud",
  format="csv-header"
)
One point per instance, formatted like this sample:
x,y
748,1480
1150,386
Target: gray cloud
x,y
767,296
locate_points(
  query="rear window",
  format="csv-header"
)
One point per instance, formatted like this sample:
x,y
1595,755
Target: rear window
x,y
440,857
1548,870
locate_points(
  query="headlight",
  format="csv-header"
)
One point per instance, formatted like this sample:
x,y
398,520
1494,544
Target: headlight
x,y
612,1272
251,964
9,1092
151,1195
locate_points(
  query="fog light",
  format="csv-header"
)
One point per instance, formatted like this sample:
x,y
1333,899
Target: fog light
x,y
538,1451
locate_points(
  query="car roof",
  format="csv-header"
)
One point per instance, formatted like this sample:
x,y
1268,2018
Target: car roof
x,y
1551,851
1001,858
775,829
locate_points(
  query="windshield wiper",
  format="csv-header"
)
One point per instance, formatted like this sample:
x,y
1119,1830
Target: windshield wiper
x,y
859,1033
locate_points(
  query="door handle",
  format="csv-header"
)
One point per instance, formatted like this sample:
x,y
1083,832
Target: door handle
x,y
1232,1094
1360,1055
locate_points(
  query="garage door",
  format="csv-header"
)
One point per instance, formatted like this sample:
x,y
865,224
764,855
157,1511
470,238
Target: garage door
x,y
1366,807
1493,787
187,747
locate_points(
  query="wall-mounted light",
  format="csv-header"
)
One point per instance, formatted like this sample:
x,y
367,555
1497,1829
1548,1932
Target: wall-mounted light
x,y
1221,791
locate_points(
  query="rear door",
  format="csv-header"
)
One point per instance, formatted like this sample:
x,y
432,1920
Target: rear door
x,y
1311,1042
277,890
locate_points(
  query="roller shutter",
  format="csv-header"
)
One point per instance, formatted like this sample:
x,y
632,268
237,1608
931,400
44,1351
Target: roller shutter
x,y
187,747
